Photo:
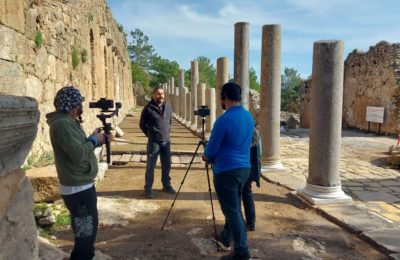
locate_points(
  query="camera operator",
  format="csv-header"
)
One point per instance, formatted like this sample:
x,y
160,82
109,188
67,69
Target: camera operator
x,y
77,167
155,122
228,150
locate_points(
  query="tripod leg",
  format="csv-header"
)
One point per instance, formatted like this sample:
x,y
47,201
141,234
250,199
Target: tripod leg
x,y
212,206
183,180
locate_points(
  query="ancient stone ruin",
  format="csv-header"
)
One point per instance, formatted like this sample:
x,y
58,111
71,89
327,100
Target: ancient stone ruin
x,y
45,45
371,78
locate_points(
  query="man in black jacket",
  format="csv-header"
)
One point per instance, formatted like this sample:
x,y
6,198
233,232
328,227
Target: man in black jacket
x,y
155,122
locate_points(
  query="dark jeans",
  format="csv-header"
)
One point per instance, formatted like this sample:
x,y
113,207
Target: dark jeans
x,y
228,186
248,204
84,220
154,149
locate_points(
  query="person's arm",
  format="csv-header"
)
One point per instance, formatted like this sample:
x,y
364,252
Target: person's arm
x,y
216,138
70,142
143,121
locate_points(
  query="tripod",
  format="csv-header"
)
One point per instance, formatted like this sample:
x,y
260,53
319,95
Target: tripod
x,y
202,142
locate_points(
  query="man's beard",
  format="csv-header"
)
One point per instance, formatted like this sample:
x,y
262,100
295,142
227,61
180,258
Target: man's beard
x,y
160,101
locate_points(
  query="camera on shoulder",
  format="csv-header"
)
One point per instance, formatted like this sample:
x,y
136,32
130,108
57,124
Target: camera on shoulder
x,y
202,111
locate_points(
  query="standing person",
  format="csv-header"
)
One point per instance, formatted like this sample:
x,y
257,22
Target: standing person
x,y
228,150
155,122
77,167
255,173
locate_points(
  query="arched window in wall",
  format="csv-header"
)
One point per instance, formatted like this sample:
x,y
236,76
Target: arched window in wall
x,y
93,62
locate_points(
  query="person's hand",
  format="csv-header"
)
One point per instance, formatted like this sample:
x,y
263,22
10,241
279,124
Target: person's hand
x,y
97,130
101,139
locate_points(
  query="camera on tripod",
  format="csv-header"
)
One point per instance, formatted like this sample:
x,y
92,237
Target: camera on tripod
x,y
202,111
105,104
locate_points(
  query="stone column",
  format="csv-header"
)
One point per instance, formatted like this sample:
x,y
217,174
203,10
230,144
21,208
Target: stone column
x,y
201,100
182,98
222,78
270,98
188,108
183,104
194,82
172,87
323,182
210,102
176,102
241,60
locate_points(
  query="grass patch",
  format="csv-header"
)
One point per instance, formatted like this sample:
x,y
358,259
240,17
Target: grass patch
x,y
75,57
46,159
39,39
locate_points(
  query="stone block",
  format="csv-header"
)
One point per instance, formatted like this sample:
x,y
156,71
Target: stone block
x,y
388,238
19,117
18,234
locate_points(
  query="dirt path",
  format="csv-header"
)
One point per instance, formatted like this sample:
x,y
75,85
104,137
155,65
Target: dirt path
x,y
130,225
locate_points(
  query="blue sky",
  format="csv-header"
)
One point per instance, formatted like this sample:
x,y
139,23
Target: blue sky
x,y
183,30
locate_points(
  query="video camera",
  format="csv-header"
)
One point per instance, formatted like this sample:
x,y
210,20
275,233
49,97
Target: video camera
x,y
105,104
202,111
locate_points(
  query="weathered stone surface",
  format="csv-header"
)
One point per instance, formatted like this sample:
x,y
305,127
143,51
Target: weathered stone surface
x,y
18,234
12,14
12,80
18,126
48,251
9,185
388,238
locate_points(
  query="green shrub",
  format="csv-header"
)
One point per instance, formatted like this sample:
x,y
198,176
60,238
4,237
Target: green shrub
x,y
75,57
39,39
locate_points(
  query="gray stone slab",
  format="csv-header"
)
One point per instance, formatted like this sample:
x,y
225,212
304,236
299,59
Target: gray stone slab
x,y
388,238
356,218
395,256
375,196
288,180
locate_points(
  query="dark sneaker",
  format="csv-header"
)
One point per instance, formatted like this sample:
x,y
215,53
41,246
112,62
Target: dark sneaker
x,y
222,245
148,194
169,190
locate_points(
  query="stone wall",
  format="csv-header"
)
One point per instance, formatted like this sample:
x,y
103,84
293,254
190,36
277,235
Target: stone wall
x,y
19,117
80,32
372,78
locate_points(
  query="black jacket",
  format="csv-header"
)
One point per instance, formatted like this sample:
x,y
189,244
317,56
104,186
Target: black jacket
x,y
156,121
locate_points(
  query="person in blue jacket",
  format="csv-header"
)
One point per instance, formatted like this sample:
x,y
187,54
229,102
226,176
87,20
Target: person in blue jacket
x,y
228,150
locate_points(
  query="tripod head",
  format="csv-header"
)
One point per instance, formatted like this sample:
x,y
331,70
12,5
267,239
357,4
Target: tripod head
x,y
202,111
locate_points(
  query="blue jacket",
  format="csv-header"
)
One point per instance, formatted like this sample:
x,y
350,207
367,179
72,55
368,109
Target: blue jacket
x,y
230,140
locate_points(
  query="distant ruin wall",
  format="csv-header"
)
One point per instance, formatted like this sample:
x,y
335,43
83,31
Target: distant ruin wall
x,y
47,44
372,79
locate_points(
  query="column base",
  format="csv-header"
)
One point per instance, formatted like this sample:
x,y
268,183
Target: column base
x,y
318,195
193,127
183,121
273,166
187,123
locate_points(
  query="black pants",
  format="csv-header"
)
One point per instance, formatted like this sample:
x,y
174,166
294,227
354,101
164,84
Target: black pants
x,y
84,220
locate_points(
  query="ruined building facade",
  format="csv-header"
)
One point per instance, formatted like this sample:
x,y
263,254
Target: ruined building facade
x,y
45,45
48,44
371,78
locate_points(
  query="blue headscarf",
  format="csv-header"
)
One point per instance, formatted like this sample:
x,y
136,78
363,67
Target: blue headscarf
x,y
67,98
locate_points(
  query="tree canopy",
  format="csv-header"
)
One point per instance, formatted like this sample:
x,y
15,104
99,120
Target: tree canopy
x,y
290,96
